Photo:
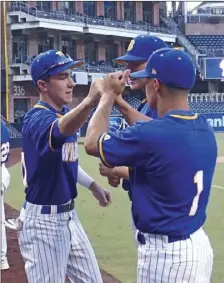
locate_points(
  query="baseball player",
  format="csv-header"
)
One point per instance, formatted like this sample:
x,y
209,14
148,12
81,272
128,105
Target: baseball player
x,y
5,146
139,50
51,238
174,157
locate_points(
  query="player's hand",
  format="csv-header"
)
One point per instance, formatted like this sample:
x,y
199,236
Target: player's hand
x,y
114,83
96,90
114,181
102,195
106,171
119,99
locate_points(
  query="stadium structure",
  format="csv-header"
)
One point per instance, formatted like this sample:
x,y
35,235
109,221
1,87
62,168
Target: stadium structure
x,y
98,31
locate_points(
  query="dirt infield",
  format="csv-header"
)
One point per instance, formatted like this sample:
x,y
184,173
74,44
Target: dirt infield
x,y
16,273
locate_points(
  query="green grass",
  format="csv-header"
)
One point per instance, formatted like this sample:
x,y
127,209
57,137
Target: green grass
x,y
109,229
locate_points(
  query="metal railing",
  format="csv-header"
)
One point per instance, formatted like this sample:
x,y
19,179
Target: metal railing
x,y
84,19
33,11
104,68
208,19
212,52
21,58
206,97
182,39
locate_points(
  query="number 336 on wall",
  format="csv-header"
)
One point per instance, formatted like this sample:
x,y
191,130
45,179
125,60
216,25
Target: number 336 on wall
x,y
18,90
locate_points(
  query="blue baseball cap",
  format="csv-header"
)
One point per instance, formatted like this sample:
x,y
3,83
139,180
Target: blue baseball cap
x,y
50,63
170,66
141,48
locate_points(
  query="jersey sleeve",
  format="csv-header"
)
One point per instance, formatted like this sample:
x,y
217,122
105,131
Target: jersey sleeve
x,y
125,148
42,128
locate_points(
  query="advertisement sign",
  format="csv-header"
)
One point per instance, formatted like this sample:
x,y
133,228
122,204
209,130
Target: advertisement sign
x,y
214,68
216,120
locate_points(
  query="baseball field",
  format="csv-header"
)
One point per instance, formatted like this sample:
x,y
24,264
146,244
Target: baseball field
x,y
109,229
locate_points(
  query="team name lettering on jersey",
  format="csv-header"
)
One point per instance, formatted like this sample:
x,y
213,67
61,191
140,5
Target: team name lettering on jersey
x,y
70,152
4,152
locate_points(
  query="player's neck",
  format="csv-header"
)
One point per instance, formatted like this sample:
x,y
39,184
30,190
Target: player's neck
x,y
48,100
171,106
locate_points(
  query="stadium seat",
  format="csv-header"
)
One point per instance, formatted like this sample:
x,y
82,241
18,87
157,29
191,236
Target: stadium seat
x,y
211,45
203,107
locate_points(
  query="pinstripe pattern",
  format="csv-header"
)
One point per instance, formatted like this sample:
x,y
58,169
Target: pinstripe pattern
x,y
187,261
135,231
55,245
3,233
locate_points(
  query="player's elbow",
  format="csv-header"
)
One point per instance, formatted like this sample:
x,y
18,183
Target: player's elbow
x,y
91,148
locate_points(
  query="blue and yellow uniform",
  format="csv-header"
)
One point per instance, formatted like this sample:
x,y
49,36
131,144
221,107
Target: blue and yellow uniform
x,y
44,147
51,237
174,158
139,50
5,146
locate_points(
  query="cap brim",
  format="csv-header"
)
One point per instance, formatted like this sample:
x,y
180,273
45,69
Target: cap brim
x,y
69,65
129,58
140,75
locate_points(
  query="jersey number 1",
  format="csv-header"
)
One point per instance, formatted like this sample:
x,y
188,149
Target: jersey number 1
x,y
198,180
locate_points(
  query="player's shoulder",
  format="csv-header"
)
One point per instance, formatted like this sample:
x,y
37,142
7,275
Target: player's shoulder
x,y
4,133
3,128
148,130
35,118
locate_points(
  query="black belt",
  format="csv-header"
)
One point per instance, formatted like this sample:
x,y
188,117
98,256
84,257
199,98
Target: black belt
x,y
171,239
47,209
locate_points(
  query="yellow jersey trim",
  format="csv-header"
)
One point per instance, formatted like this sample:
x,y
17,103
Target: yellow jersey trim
x,y
51,129
185,117
44,107
101,151
144,100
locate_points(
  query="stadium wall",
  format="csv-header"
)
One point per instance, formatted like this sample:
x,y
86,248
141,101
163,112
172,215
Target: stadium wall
x,y
216,120
204,29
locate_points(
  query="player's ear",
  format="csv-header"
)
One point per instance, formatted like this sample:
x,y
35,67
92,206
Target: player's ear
x,y
156,85
42,85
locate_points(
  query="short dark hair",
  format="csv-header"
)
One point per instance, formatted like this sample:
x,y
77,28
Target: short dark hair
x,y
45,79
174,89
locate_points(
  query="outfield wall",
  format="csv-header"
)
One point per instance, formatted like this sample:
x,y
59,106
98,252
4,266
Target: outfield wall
x,y
216,120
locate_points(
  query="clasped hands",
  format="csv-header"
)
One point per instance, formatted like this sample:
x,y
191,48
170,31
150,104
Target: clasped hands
x,y
111,86
110,173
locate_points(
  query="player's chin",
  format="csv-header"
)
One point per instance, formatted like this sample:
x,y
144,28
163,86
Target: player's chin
x,y
68,98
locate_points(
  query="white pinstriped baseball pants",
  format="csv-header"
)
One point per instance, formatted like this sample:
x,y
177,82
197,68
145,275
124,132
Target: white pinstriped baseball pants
x,y
186,261
3,232
53,245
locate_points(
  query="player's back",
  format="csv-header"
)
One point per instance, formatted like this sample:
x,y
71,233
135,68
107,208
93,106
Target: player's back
x,y
175,179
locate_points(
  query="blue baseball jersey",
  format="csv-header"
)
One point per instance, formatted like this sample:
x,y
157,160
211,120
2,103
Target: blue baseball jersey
x,y
116,123
5,146
49,159
174,159
144,108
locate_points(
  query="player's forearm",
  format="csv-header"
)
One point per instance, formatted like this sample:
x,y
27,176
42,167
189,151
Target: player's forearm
x,y
84,179
72,121
122,172
99,124
130,114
